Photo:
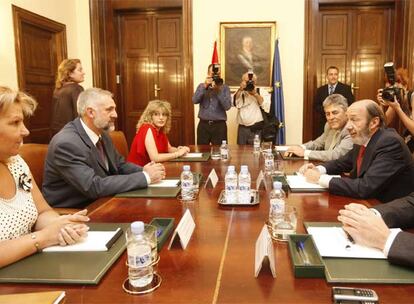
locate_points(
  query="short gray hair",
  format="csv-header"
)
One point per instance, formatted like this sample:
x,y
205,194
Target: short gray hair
x,y
374,110
90,98
336,100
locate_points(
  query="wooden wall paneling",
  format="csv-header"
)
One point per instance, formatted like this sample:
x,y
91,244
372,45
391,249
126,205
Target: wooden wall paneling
x,y
335,31
40,45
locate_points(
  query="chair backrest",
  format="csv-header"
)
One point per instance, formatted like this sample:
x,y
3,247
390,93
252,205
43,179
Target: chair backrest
x,y
120,142
34,155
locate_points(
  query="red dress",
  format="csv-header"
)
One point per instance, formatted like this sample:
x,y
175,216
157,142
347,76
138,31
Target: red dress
x,y
138,153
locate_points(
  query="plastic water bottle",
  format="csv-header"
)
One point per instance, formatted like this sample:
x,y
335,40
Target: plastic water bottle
x,y
256,144
230,184
280,227
244,185
187,182
224,150
140,271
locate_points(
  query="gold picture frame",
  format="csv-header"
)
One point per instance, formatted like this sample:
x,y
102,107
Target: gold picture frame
x,y
247,46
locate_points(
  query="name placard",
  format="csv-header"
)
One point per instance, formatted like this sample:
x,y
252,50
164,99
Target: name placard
x,y
264,250
184,230
260,181
212,179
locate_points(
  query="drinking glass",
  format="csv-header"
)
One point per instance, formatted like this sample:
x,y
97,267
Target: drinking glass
x,y
283,223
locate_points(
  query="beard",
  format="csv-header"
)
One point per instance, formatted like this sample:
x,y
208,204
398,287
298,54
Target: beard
x,y
363,137
103,124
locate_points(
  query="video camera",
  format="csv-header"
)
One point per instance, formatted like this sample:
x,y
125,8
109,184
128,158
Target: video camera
x,y
391,91
216,74
250,83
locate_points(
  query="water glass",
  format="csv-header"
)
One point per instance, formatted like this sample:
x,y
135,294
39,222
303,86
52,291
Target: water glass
x,y
269,163
283,223
215,153
150,233
267,146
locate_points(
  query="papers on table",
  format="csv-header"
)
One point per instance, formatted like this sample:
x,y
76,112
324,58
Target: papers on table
x,y
282,148
298,183
193,155
95,241
333,242
166,183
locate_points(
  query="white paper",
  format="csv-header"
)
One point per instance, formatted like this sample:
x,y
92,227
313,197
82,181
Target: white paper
x,y
260,180
282,148
333,242
95,241
165,183
264,248
184,230
211,178
299,182
193,155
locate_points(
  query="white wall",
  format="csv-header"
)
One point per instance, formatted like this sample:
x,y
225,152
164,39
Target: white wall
x,y
289,17
73,13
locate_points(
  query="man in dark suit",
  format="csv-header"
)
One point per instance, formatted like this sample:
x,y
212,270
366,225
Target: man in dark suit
x,y
369,227
333,86
82,163
380,165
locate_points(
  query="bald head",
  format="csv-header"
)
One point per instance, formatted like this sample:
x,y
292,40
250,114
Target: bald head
x,y
365,117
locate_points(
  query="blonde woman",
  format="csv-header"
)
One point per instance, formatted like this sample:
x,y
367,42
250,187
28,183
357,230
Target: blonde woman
x,y
28,224
151,141
67,90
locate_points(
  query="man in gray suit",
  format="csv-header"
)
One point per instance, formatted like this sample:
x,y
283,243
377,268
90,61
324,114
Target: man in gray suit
x,y
82,163
335,140
369,227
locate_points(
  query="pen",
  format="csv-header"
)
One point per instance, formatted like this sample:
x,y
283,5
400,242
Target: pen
x,y
112,241
349,238
302,253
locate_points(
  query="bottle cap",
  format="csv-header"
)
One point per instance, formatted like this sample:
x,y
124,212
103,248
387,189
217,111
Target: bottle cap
x,y
277,185
186,167
137,227
224,141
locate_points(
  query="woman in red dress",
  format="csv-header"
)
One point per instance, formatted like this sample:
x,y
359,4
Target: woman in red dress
x,y
151,141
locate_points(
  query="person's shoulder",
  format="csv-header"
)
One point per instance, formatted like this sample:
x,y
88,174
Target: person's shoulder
x,y
322,87
68,135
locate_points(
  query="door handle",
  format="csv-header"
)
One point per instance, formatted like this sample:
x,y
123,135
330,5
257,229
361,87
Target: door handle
x,y
156,90
353,88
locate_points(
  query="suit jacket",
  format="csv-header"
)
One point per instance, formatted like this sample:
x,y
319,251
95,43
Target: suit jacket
x,y
400,214
320,147
74,174
387,169
322,93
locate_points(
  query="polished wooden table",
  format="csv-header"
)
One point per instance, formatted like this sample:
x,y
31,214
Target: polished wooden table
x,y
218,264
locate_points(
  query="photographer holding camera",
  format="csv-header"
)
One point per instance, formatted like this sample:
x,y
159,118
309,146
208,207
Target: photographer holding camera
x,y
214,99
399,101
249,116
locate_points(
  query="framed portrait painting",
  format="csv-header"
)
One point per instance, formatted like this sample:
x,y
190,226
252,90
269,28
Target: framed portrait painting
x,y
247,46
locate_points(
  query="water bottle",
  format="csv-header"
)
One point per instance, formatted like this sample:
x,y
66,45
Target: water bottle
x,y
244,185
187,182
224,150
277,212
269,162
140,272
256,144
230,184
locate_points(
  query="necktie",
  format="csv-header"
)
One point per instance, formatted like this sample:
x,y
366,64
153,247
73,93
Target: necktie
x,y
101,152
331,89
360,158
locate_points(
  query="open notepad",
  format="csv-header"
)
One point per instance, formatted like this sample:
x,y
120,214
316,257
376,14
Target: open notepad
x,y
298,183
193,155
166,183
95,241
333,242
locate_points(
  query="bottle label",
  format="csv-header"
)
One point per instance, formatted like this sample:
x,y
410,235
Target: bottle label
x,y
277,205
244,187
139,260
224,153
186,184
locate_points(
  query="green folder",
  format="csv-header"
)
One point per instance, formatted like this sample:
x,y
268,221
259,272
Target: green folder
x,y
345,270
205,157
67,267
159,192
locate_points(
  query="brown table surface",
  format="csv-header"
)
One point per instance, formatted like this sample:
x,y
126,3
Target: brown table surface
x,y
218,264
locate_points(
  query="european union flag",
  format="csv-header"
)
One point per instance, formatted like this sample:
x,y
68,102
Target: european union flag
x,y
277,106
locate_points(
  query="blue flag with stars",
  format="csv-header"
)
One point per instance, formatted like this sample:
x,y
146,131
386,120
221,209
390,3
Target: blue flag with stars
x,y
277,106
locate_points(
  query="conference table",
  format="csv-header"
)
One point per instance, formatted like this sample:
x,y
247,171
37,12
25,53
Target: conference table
x,y
218,264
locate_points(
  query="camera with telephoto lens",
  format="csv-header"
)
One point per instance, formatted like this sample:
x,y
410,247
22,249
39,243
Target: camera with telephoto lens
x,y
391,91
249,83
216,76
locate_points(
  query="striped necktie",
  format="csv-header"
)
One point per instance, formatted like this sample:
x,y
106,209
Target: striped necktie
x,y
331,89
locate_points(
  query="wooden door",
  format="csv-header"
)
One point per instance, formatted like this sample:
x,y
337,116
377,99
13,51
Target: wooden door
x,y
151,67
40,47
356,39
